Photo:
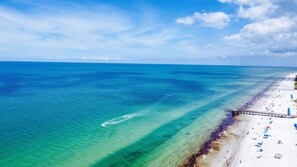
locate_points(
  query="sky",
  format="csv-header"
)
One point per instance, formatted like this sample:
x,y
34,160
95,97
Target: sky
x,y
223,32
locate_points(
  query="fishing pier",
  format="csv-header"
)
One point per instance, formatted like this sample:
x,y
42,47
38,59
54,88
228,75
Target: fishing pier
x,y
260,113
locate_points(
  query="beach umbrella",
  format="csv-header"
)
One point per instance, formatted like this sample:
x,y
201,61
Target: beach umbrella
x,y
289,111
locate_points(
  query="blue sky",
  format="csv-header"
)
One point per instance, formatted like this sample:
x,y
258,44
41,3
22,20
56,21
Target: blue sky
x,y
231,32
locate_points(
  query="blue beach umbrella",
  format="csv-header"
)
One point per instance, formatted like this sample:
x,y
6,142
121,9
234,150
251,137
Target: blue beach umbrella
x,y
289,111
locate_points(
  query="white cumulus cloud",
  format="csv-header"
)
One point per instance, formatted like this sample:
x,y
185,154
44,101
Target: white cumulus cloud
x,y
185,20
271,27
213,19
260,11
233,37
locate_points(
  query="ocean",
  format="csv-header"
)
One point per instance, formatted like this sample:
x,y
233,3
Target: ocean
x,y
91,114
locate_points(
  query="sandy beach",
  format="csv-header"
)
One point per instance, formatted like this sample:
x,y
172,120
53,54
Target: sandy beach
x,y
260,140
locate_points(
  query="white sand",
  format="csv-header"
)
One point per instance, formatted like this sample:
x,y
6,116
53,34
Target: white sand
x,y
239,147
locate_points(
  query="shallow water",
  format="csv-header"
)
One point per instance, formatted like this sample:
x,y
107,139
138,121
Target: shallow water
x,y
79,114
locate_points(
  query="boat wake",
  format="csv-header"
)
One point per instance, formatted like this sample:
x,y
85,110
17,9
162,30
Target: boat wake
x,y
120,119
126,117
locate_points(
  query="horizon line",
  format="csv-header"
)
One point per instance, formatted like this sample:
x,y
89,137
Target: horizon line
x,y
143,63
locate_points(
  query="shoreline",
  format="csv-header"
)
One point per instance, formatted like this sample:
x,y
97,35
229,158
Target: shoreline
x,y
225,141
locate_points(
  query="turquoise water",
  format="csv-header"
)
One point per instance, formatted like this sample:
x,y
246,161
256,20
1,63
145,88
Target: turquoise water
x,y
79,114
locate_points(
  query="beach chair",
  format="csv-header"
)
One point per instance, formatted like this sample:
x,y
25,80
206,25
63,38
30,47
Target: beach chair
x,y
266,136
278,156
259,144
